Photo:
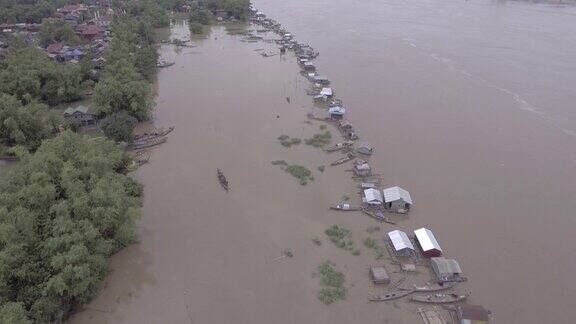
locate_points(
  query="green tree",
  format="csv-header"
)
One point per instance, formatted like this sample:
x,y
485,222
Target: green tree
x,y
13,313
119,127
19,124
57,31
64,211
30,74
123,88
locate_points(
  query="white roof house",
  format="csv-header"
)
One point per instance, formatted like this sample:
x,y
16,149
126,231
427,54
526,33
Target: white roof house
x,y
326,92
396,193
337,111
373,196
400,240
428,243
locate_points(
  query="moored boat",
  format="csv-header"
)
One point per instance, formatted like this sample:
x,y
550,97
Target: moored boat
x,y
157,133
440,298
345,207
390,295
339,146
345,159
430,287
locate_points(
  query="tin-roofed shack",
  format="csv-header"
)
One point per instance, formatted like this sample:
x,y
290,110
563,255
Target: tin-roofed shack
x,y
397,200
401,242
379,275
473,314
427,242
80,115
361,168
445,269
372,197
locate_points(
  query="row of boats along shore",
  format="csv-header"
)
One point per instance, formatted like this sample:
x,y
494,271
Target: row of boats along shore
x,y
407,252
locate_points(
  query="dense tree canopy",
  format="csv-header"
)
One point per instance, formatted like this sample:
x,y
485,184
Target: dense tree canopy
x,y
119,126
21,124
63,211
57,31
29,74
28,11
132,62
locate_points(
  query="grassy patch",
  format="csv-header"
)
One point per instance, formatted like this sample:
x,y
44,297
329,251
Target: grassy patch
x,y
370,243
341,237
332,282
286,141
322,127
319,140
302,173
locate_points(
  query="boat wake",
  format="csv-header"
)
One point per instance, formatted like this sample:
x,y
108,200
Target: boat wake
x,y
522,103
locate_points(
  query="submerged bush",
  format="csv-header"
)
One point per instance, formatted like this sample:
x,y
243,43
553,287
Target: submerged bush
x,y
319,140
332,282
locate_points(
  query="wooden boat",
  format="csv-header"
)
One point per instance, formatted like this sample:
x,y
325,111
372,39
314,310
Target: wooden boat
x,y
390,295
440,298
430,287
164,63
345,159
345,207
157,133
339,146
148,143
222,179
378,215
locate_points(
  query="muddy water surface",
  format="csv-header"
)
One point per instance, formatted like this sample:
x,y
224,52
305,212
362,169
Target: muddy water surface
x,y
470,107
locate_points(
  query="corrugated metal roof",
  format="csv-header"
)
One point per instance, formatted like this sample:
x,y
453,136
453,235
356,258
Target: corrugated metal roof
x,y
337,110
71,110
400,240
427,240
373,196
326,91
445,267
397,193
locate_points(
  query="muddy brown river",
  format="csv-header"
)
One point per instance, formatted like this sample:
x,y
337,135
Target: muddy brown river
x,y
470,105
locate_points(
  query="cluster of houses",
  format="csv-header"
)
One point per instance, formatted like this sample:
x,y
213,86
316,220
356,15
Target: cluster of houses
x,y
91,24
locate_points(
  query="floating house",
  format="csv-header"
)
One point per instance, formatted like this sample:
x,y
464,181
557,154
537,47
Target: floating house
x,y
365,148
445,269
372,197
428,244
80,116
473,314
379,275
308,66
326,92
397,200
361,168
347,130
336,113
401,243
320,79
